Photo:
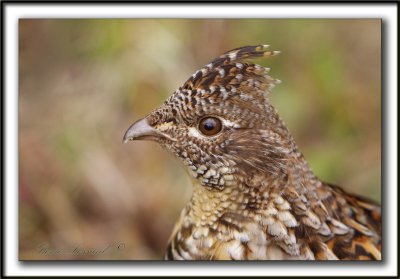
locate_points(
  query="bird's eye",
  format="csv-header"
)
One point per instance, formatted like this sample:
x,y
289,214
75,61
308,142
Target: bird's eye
x,y
210,126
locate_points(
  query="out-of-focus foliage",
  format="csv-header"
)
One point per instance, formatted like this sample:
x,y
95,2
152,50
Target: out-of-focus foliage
x,y
83,82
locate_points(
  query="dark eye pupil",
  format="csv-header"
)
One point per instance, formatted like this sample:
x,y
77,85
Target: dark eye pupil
x,y
209,125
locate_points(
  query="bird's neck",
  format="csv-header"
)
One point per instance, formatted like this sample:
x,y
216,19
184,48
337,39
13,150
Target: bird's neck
x,y
207,206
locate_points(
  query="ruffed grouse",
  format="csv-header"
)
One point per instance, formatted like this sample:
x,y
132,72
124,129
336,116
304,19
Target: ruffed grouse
x,y
254,197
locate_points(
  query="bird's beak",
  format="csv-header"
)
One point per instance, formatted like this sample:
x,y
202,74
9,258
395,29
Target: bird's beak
x,y
141,130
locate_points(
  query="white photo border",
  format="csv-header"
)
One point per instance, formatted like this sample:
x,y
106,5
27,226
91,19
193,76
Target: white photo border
x,y
12,12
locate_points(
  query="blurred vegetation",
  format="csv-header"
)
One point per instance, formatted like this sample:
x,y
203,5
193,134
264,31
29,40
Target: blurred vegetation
x,y
83,82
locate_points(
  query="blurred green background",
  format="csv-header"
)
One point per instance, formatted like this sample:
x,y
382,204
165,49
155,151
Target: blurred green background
x,y
85,195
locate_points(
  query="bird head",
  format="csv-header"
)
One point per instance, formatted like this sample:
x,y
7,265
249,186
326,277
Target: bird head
x,y
220,122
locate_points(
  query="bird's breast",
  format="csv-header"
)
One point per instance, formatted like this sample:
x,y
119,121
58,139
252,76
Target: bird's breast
x,y
224,243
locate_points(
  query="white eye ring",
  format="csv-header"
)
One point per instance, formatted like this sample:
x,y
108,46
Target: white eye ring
x,y
195,132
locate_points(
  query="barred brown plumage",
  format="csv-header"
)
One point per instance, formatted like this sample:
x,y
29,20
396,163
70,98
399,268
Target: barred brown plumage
x,y
254,194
